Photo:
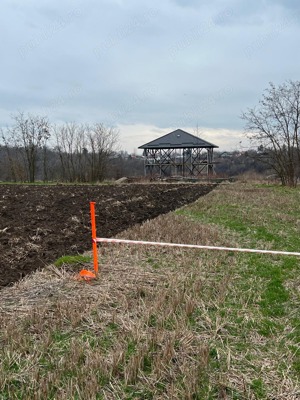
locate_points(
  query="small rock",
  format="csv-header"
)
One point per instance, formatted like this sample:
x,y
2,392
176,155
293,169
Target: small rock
x,y
122,180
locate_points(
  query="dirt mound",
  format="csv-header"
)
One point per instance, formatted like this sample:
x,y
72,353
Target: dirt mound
x,y
38,224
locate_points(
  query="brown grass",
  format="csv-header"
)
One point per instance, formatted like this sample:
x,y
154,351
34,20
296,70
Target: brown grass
x,y
158,324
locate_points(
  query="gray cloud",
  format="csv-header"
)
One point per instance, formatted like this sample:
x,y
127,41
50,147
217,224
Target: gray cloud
x,y
129,63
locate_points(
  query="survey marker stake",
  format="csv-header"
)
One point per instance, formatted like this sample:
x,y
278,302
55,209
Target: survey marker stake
x,y
94,236
84,274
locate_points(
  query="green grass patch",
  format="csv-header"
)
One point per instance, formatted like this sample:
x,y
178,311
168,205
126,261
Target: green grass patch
x,y
274,298
258,389
69,260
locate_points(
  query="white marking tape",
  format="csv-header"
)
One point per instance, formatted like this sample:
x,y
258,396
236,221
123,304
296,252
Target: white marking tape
x,y
196,246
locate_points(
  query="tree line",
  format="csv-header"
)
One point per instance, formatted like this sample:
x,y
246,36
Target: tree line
x,y
32,148
71,152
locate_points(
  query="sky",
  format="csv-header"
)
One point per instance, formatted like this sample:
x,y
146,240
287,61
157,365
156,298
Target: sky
x,y
146,67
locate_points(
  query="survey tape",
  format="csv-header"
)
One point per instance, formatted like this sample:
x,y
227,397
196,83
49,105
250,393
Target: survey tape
x,y
195,246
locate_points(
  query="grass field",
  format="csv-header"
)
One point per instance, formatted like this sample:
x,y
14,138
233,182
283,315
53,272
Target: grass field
x,y
167,323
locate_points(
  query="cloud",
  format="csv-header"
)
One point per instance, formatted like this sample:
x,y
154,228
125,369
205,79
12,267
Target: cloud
x,y
187,3
135,135
149,67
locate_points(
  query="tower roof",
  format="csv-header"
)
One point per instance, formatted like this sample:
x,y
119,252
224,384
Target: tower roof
x,y
177,139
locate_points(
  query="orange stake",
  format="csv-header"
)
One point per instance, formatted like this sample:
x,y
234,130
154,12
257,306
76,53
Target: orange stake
x,y
94,236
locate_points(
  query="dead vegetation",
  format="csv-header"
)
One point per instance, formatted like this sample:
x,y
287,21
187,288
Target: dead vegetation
x,y
159,323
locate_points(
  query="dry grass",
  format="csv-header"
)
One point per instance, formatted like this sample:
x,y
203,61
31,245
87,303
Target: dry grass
x,y
163,323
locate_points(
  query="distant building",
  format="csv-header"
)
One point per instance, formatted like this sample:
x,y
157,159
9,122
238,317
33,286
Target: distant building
x,y
179,154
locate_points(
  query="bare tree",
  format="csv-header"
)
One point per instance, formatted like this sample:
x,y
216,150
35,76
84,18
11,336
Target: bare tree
x,y
273,127
84,150
11,162
27,136
102,142
70,144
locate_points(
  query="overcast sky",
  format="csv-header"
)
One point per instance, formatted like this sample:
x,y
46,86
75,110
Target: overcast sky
x,y
147,67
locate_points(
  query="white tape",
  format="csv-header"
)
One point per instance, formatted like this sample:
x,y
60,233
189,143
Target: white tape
x,y
196,246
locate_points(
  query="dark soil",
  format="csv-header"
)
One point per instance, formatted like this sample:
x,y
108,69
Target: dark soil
x,y
38,224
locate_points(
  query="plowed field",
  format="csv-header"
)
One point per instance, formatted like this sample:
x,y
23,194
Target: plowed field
x,y
38,224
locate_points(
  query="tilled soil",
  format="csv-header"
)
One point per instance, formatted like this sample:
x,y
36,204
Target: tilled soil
x,y
38,224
